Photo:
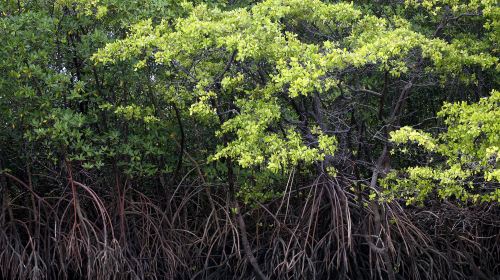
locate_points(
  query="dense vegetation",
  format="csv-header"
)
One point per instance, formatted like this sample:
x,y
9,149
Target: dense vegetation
x,y
276,139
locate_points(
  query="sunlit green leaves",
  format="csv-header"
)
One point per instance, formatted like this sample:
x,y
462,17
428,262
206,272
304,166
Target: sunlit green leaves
x,y
470,148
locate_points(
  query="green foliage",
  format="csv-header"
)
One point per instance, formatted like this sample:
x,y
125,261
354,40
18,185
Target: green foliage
x,y
296,67
129,84
470,149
